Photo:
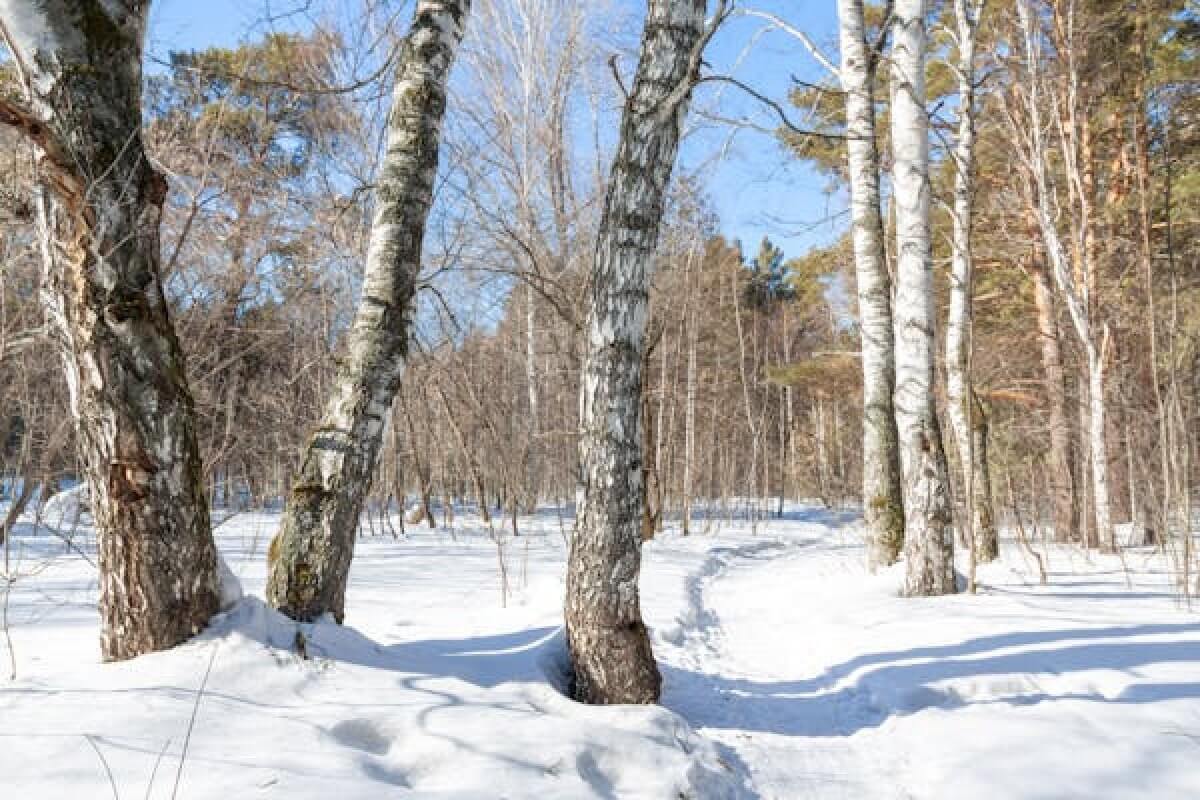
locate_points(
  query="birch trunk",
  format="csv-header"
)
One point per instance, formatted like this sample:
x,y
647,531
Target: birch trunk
x,y
99,206
959,391
929,545
310,556
883,503
609,644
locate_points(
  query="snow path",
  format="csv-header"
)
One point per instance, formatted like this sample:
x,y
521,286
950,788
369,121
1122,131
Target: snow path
x,y
741,705
817,681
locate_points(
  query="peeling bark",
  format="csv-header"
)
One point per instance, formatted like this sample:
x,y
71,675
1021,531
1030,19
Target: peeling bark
x,y
100,203
929,542
315,543
883,502
609,644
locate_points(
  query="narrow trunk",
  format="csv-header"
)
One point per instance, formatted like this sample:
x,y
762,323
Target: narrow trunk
x,y
960,394
312,552
689,412
1062,486
983,522
883,503
609,643
534,458
100,206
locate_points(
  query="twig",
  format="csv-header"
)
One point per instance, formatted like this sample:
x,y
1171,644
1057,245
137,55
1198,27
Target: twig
x,y
192,721
112,783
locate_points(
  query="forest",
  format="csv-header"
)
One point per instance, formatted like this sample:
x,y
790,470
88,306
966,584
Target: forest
x,y
527,398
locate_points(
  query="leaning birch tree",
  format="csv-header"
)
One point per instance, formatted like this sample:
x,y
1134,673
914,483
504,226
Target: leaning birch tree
x,y
310,556
929,541
883,503
965,410
609,645
79,68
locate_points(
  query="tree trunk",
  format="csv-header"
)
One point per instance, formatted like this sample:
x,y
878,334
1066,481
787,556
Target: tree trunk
x,y
983,522
609,644
960,394
883,504
315,543
1061,445
80,66
929,545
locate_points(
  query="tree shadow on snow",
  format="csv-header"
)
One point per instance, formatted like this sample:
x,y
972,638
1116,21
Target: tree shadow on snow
x,y
865,691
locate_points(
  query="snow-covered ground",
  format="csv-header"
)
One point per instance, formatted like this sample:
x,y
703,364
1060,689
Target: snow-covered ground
x,y
789,673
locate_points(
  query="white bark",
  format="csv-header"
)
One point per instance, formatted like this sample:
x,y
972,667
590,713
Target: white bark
x,y
609,644
882,497
959,393
310,557
929,546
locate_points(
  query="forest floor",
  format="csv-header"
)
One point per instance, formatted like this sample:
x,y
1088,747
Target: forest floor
x,y
788,673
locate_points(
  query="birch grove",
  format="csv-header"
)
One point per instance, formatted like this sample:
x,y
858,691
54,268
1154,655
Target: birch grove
x,y
452,279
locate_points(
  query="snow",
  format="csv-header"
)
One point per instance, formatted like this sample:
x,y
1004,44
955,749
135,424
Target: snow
x,y
789,673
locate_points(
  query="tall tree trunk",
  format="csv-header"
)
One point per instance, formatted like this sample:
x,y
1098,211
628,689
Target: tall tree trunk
x,y
80,66
1062,448
609,644
960,394
929,546
883,503
312,551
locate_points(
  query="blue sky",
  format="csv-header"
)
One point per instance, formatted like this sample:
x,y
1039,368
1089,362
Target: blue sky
x,y
756,187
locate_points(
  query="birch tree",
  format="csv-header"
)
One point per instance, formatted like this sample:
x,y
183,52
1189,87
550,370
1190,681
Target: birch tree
x,y
79,67
310,556
960,400
883,503
929,542
1075,293
609,645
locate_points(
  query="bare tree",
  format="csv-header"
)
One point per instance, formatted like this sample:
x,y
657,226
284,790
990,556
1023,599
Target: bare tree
x,y
1075,292
310,556
609,644
80,70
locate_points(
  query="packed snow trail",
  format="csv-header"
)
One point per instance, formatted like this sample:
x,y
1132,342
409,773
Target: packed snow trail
x,y
741,700
817,680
